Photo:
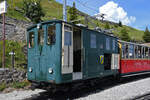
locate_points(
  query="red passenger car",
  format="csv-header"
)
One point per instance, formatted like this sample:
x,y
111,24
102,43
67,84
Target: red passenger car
x,y
134,59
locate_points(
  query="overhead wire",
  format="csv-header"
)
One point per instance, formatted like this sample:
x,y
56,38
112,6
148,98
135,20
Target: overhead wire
x,y
84,5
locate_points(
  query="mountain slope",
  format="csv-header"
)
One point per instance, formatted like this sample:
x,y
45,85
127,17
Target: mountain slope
x,y
53,9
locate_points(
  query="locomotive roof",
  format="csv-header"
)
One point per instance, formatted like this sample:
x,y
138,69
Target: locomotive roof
x,y
60,21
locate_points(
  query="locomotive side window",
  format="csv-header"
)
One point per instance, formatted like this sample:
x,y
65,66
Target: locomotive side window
x,y
40,36
31,40
51,35
93,41
113,44
107,44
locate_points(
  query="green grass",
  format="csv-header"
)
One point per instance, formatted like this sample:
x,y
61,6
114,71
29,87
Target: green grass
x,y
18,85
2,86
53,9
15,85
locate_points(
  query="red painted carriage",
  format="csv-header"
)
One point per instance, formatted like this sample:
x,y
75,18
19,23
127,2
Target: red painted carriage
x,y
134,59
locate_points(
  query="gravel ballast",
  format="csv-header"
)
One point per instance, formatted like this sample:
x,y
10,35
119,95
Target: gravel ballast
x,y
125,91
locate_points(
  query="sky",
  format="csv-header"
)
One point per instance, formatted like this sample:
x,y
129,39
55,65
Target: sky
x,y
135,13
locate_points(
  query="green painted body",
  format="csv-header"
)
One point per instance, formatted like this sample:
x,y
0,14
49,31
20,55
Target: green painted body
x,y
41,58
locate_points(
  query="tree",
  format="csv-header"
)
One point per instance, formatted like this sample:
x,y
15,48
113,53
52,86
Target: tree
x,y
120,23
107,26
146,36
124,35
33,10
73,13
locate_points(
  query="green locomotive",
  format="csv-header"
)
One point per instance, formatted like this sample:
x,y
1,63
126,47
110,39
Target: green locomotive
x,y
62,53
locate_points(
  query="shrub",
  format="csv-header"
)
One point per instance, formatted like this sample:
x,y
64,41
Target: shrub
x,y
2,86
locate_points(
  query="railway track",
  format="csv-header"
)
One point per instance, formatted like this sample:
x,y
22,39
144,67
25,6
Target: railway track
x,y
90,90
143,97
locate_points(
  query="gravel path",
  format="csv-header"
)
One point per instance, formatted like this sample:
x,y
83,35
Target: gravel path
x,y
19,95
125,91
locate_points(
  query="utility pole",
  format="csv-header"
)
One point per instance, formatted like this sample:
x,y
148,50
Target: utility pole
x,y
64,10
3,10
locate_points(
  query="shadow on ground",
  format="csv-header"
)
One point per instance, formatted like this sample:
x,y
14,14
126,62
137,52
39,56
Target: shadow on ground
x,y
84,92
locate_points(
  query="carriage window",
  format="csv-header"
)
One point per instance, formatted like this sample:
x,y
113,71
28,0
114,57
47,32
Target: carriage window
x,y
126,51
136,52
93,41
31,39
123,50
139,52
40,36
51,35
142,53
146,52
131,51
67,38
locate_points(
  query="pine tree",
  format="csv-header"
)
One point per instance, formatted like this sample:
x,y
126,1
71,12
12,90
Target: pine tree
x,y
146,36
120,23
124,35
107,26
73,13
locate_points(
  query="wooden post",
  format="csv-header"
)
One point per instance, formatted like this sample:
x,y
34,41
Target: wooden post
x,y
3,58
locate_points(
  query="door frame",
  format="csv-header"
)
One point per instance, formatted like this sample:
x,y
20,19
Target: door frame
x,y
67,66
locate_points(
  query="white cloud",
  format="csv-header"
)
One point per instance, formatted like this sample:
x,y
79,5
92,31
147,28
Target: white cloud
x,y
115,13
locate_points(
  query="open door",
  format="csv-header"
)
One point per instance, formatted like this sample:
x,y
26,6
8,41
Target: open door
x,y
77,60
71,51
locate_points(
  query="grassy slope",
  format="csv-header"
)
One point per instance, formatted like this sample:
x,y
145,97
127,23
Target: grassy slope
x,y
53,9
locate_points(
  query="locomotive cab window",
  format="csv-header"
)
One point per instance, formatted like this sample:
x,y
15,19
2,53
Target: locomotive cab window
x,y
51,35
40,36
31,39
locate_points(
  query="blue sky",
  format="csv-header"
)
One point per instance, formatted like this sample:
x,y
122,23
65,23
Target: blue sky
x,y
140,9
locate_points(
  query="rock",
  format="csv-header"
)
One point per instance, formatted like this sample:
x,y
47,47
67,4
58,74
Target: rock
x,y
11,75
15,29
